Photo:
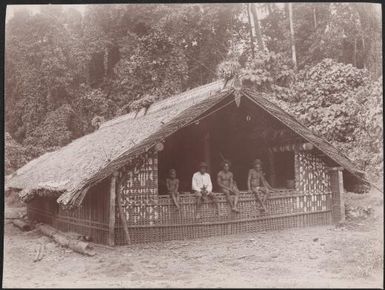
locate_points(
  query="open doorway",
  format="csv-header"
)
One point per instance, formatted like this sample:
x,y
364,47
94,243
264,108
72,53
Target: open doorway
x,y
284,170
236,133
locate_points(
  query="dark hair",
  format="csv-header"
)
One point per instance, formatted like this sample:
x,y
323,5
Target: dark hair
x,y
224,162
203,164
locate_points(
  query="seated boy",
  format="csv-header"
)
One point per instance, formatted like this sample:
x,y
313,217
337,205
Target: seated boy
x,y
172,187
228,186
257,183
202,187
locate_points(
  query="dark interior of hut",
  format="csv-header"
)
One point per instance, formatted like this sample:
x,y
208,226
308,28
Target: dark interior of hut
x,y
237,133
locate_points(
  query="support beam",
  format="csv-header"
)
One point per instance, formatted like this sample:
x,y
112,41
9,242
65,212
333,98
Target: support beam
x,y
207,155
293,147
111,223
123,217
272,168
337,187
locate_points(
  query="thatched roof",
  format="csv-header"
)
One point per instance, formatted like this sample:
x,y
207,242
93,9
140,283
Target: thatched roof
x,y
71,170
95,156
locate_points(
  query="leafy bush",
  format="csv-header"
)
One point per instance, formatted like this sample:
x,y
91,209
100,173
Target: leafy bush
x,y
17,155
336,101
342,104
55,130
228,69
268,72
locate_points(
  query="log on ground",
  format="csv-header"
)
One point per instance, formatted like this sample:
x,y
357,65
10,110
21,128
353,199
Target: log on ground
x,y
65,241
24,226
47,230
81,247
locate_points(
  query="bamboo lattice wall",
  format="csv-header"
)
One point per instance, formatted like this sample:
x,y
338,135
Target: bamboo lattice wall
x,y
153,218
284,211
90,219
311,173
139,191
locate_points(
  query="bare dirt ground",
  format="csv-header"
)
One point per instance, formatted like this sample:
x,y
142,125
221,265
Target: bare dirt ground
x,y
347,256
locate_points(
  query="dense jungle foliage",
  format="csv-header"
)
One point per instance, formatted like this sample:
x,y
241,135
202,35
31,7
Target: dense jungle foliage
x,y
66,71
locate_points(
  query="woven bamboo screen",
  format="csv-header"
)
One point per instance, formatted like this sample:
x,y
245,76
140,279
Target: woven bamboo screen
x,y
311,173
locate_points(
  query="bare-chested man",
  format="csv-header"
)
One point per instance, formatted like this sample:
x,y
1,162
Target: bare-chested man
x,y
228,186
257,183
173,187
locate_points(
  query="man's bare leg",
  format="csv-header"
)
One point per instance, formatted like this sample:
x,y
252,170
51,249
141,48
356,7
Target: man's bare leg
x,y
215,200
229,199
236,199
264,198
174,199
256,192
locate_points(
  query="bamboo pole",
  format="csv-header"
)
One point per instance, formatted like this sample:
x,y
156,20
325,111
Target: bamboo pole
x,y
111,224
123,217
272,168
293,147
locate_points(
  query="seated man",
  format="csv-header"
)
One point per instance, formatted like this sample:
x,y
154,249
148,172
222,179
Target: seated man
x,y
172,187
257,183
202,187
228,186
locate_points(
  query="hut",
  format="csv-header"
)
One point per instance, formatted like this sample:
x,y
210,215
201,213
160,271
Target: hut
x,y
110,184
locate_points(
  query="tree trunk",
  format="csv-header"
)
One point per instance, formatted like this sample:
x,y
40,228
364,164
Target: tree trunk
x,y
315,18
363,52
257,27
293,53
250,30
355,53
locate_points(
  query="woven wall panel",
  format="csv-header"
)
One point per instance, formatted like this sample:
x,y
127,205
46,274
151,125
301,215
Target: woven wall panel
x,y
311,173
139,190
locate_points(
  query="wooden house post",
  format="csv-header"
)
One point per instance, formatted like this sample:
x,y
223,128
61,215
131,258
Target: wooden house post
x,y
206,149
111,219
337,187
270,155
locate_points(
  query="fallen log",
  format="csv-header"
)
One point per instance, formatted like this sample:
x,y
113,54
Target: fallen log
x,y
65,241
24,226
61,239
81,247
47,230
